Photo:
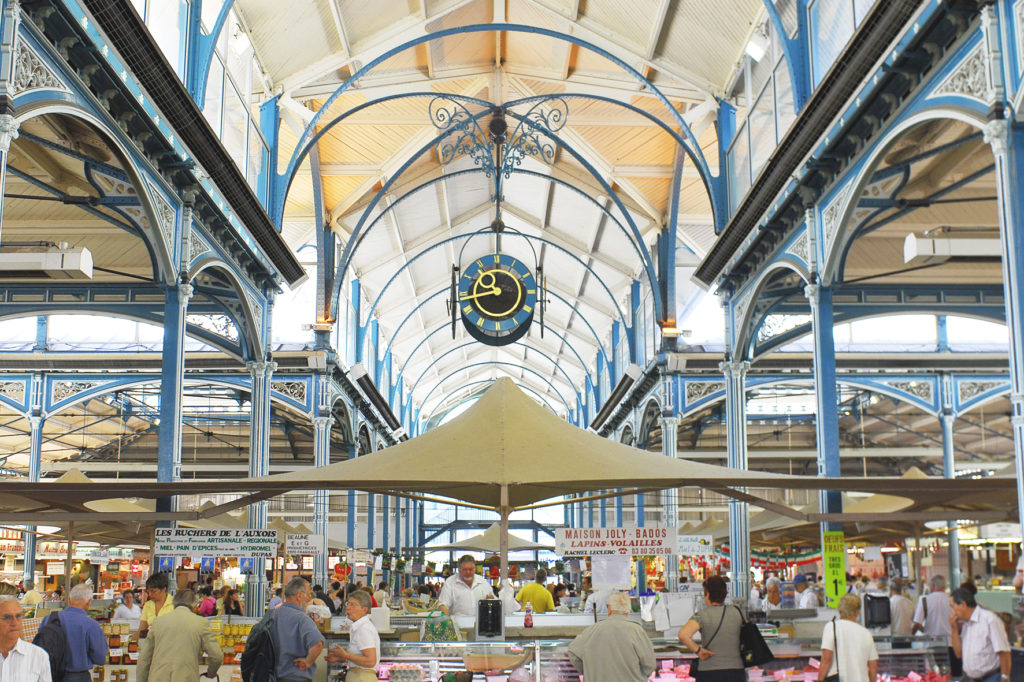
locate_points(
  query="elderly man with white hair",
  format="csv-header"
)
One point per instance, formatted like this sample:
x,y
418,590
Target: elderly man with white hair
x,y
19,660
615,649
86,644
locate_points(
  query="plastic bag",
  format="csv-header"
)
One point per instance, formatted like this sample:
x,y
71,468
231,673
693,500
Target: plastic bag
x,y
438,627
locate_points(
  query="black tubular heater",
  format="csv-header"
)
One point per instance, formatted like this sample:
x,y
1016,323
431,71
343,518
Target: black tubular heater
x,y
130,37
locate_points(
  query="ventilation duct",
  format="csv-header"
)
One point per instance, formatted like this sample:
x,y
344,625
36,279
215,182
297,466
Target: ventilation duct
x,y
62,264
927,249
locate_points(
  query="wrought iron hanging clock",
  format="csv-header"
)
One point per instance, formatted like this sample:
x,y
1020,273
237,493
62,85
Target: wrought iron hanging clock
x,y
497,296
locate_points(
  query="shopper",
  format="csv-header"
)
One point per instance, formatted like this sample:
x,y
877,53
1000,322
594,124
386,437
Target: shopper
x,y
171,651
773,599
157,604
932,616
463,590
363,652
222,597
32,596
232,606
805,597
207,605
20,661
86,645
719,625
128,609
615,649
323,597
537,594
296,638
847,648
275,601
981,639
381,595
901,610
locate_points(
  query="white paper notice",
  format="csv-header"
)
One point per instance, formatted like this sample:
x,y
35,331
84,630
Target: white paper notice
x,y
872,553
378,562
610,572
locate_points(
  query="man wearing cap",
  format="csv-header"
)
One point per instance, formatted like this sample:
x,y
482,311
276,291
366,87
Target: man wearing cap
x,y
805,597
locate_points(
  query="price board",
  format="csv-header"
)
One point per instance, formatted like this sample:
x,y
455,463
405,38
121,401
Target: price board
x,y
834,557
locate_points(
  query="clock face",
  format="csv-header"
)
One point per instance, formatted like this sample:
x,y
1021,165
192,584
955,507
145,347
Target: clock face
x,y
497,295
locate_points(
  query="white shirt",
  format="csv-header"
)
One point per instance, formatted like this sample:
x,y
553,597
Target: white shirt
x,y
460,598
767,606
133,612
983,636
755,595
855,649
901,610
363,635
25,663
937,621
807,599
597,601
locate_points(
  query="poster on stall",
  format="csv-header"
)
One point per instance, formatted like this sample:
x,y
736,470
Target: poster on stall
x,y
610,572
303,544
629,541
208,564
696,545
54,568
99,556
246,565
166,564
834,557
216,542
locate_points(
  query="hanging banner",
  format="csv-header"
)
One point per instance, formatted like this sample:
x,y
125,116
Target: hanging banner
x,y
632,541
696,545
216,542
834,557
99,556
304,544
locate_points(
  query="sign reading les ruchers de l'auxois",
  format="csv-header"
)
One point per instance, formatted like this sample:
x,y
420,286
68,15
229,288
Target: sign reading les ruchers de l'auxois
x,y
635,541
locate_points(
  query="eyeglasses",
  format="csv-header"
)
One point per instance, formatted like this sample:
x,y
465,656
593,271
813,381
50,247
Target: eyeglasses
x,y
11,617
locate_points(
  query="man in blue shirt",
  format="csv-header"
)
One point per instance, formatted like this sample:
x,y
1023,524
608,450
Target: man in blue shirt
x,y
86,644
296,639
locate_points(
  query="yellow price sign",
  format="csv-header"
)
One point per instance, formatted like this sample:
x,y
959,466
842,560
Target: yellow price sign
x,y
833,556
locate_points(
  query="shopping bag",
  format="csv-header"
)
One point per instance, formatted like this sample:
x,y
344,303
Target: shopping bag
x,y
439,627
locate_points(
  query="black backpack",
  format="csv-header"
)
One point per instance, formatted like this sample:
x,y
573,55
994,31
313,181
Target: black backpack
x,y
259,660
51,638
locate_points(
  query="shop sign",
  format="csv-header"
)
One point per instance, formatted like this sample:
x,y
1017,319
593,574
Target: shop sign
x,y
833,554
12,546
99,556
307,563
633,541
298,544
218,542
696,545
54,568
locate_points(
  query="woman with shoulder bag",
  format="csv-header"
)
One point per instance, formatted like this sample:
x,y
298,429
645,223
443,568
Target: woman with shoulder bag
x,y
718,655
847,650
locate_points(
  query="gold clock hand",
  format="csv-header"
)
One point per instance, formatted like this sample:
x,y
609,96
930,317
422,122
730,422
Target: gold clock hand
x,y
494,291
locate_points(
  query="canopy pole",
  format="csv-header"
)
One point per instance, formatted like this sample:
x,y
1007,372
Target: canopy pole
x,y
67,562
504,511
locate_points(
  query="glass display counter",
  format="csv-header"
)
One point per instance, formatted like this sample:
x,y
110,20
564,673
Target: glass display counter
x,y
415,661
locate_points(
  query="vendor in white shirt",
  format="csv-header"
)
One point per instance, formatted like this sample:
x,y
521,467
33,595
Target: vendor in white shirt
x,y
462,591
805,597
128,609
773,597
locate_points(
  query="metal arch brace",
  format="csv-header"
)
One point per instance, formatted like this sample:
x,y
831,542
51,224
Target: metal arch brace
x,y
301,148
503,364
540,352
443,327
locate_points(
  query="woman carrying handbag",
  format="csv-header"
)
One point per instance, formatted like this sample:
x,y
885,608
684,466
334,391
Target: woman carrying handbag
x,y
848,651
718,655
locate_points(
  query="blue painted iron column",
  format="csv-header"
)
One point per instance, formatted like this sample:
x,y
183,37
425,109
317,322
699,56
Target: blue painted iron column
x,y
9,20
259,465
948,418
827,417
321,497
669,446
172,373
735,374
34,461
1007,142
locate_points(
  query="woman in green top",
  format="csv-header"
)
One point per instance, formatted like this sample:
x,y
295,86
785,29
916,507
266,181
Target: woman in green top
x,y
719,625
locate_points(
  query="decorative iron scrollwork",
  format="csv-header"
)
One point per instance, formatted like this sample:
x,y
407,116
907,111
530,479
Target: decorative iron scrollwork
x,y
466,137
